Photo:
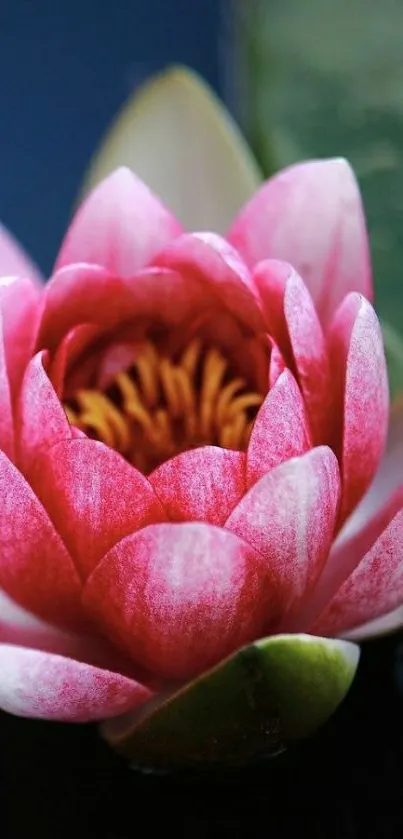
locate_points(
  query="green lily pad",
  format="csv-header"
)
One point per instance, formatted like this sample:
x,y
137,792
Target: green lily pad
x,y
393,344
249,707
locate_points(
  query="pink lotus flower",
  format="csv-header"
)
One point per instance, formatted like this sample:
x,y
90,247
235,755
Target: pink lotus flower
x,y
188,422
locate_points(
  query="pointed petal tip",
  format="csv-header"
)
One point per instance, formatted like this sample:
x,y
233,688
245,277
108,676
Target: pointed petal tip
x,y
176,134
310,214
337,169
251,705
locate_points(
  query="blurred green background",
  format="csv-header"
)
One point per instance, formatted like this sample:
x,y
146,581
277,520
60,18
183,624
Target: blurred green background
x,y
323,78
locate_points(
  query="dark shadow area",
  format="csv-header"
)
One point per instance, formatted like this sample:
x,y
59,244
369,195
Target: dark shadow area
x,y
63,781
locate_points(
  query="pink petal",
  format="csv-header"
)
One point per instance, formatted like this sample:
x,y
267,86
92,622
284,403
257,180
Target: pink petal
x,y
35,568
79,294
270,278
292,320
17,626
179,597
42,421
94,498
360,384
289,517
181,305
388,478
277,364
13,259
19,315
280,430
347,552
201,485
378,627
374,588
20,303
7,439
310,215
121,226
208,258
45,686
77,340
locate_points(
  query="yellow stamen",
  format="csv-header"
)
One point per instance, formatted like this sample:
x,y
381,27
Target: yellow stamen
x,y
213,374
147,367
162,406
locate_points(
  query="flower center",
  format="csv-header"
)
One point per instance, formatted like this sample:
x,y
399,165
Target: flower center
x,y
162,406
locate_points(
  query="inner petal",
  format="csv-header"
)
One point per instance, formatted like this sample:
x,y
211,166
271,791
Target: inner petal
x,y
162,404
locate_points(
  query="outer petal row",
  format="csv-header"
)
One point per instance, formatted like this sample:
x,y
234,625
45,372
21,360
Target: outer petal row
x,y
343,380
360,384
289,518
251,705
94,498
177,597
19,316
280,430
374,588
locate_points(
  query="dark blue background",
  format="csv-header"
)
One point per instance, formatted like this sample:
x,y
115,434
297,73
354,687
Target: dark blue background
x,y
65,67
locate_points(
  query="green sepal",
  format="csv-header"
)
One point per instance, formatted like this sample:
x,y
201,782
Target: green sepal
x,y
249,707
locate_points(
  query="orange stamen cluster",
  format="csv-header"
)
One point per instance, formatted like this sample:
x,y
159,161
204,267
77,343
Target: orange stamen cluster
x,y
162,406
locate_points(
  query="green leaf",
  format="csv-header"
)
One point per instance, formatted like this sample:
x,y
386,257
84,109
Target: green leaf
x,y
177,136
393,344
249,707
325,79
